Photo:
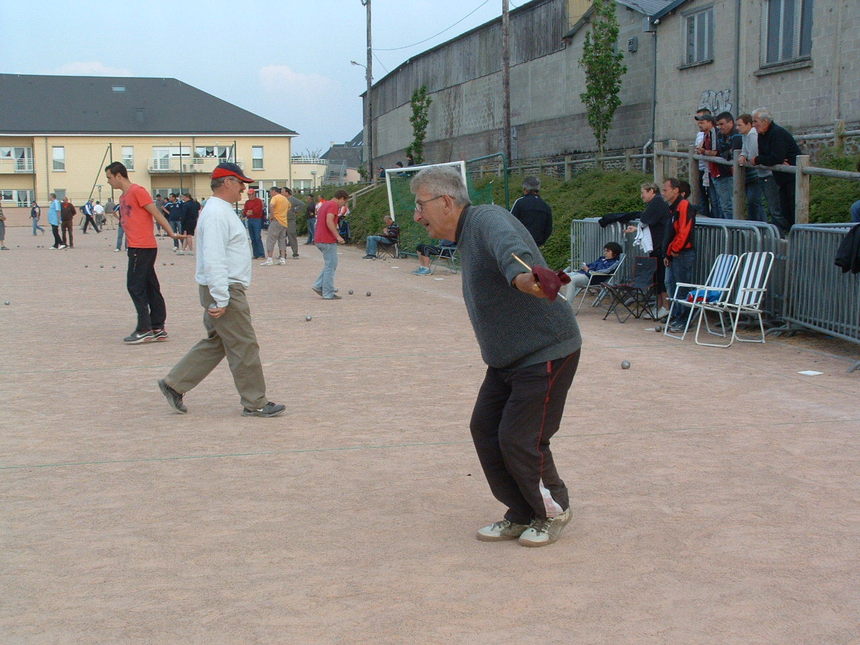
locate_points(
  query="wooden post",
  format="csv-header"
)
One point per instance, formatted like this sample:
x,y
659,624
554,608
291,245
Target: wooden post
x,y
658,163
673,161
695,173
801,191
839,136
628,159
567,168
739,187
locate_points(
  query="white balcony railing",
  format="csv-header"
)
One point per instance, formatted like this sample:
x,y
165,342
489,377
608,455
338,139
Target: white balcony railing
x,y
189,165
8,166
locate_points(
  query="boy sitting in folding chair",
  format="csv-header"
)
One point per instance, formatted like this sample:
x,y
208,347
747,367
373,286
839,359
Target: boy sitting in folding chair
x,y
446,249
605,264
390,236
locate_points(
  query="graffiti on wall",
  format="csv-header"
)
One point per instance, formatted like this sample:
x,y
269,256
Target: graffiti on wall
x,y
716,101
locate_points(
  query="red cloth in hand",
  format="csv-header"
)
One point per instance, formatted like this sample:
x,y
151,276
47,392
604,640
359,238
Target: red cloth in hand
x,y
550,281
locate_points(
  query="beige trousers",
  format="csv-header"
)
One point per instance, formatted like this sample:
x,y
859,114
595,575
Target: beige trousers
x,y
231,335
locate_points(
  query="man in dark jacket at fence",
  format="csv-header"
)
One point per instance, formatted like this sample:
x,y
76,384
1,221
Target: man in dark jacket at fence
x,y
776,147
534,213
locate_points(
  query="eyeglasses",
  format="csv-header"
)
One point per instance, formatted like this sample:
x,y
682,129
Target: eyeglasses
x,y
419,203
236,179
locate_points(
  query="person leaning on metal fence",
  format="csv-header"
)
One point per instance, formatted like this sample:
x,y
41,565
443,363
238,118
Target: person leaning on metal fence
x,y
776,147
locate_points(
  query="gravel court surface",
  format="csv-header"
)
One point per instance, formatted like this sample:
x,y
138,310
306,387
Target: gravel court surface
x,y
715,492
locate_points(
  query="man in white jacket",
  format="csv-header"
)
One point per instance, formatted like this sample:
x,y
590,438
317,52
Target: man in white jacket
x,y
223,274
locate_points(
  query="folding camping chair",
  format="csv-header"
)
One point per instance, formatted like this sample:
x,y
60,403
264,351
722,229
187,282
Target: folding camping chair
x,y
753,273
717,288
447,253
597,279
637,295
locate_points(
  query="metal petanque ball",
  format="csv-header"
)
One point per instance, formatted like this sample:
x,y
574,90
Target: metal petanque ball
x,y
625,365
350,292
658,328
308,318
7,303
101,266
368,294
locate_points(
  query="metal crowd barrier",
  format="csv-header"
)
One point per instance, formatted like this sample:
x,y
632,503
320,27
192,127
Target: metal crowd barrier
x,y
711,237
820,296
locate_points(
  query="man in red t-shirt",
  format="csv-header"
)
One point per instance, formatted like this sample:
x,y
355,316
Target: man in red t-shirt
x,y
137,212
253,211
327,238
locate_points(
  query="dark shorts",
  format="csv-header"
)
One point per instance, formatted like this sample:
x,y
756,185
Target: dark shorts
x,y
189,224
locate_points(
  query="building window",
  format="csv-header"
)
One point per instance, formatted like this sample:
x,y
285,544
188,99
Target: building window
x,y
59,158
257,157
788,30
699,37
19,197
128,157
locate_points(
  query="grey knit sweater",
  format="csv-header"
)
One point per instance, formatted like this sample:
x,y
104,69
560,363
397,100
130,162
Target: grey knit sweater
x,y
513,329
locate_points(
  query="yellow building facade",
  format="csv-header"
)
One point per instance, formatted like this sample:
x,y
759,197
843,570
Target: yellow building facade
x,y
166,146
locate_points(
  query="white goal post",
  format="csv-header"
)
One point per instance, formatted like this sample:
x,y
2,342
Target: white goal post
x,y
409,172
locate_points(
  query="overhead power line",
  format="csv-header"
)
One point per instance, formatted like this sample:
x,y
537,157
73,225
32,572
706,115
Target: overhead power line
x,y
421,42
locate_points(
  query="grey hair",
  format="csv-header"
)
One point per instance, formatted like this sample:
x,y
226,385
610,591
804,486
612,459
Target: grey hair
x,y
650,186
531,184
441,180
217,182
763,114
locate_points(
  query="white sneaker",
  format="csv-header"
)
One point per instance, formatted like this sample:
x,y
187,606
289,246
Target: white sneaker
x,y
662,313
545,531
116,250
501,530
282,261
267,263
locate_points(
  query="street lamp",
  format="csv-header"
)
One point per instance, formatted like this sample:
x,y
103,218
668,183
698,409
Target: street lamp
x,y
313,180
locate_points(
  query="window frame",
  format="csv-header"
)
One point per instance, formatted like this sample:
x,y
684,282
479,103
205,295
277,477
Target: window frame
x,y
128,161
254,158
782,52
55,160
696,17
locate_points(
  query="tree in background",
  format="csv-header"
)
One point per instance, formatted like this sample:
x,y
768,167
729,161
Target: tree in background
x,y
420,107
603,71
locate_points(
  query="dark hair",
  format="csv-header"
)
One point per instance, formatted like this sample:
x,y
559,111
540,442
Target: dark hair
x,y
746,118
615,247
116,168
684,187
725,116
674,182
341,194
288,191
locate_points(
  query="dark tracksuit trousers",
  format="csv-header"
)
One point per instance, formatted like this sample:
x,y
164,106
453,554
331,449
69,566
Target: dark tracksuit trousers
x,y
515,415
144,289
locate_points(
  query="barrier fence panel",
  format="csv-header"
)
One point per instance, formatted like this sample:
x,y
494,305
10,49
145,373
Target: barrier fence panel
x,y
711,237
820,296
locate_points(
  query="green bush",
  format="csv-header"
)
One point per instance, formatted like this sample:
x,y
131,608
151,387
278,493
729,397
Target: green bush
x,y
830,198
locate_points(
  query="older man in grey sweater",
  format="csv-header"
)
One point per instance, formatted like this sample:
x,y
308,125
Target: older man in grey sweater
x,y
530,342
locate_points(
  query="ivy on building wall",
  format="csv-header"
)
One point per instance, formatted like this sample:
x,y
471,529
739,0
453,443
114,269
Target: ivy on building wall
x,y
420,109
603,70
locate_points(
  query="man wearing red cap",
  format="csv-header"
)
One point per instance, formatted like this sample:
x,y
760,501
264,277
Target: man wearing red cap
x,y
223,274
137,212
253,210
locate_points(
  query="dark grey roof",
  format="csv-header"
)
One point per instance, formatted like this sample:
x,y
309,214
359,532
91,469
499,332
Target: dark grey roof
x,y
96,105
349,153
650,8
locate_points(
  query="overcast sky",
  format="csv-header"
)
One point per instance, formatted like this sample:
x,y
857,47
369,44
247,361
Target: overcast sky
x,y
287,60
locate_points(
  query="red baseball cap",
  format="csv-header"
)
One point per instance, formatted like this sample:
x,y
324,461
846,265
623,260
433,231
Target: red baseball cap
x,y
228,169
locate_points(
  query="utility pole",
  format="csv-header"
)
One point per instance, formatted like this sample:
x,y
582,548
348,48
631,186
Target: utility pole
x,y
506,78
368,122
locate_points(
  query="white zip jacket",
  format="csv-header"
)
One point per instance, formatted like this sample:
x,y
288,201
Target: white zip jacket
x,y
223,250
